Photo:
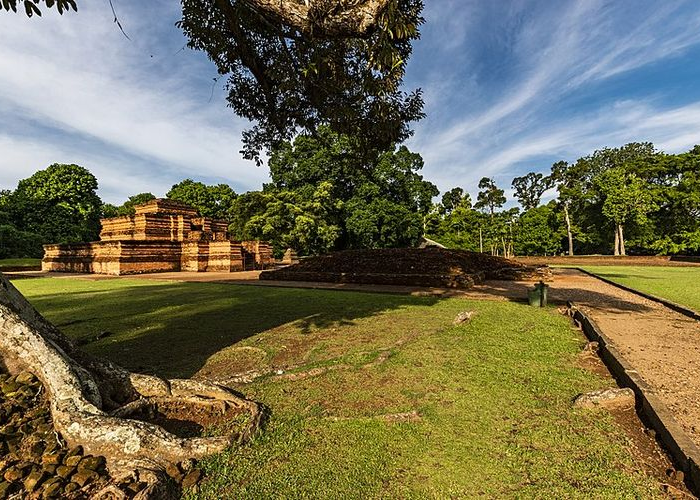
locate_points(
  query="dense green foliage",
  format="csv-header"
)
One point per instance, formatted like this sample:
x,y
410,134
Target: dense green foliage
x,y
285,79
55,205
325,195
632,198
493,412
15,243
210,201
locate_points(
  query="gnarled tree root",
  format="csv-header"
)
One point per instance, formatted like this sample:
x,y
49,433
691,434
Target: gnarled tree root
x,y
90,398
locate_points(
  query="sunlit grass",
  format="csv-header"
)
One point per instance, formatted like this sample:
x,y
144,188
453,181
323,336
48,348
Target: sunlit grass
x,y
493,395
677,284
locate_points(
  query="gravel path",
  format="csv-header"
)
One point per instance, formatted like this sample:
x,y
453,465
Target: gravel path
x,y
663,345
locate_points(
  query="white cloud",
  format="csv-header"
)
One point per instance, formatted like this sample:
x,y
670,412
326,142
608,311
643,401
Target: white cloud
x,y
559,53
78,75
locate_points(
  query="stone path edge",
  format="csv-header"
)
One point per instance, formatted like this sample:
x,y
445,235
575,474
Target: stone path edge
x,y
672,305
684,452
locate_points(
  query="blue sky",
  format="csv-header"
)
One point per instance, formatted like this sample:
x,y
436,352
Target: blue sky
x,y
510,87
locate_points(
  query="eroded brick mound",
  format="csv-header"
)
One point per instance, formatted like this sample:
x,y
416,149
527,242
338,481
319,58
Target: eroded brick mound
x,y
36,463
439,267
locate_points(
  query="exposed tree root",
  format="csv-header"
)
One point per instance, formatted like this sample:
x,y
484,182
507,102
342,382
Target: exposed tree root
x,y
90,398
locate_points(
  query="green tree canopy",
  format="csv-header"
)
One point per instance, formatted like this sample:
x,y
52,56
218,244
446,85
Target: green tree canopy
x,y
372,201
453,198
286,78
59,203
530,188
490,197
210,201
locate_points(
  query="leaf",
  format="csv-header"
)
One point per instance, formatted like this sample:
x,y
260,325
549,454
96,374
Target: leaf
x,y
31,8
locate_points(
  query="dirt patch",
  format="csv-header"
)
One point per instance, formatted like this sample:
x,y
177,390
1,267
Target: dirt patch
x,y
648,455
188,419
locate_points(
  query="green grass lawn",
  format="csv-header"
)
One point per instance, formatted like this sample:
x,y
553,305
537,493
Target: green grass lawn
x,y
494,395
4,263
677,284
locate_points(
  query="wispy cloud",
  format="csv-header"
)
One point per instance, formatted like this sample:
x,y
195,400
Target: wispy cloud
x,y
555,102
510,87
92,90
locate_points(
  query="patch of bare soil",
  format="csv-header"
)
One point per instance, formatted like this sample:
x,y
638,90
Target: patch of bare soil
x,y
189,420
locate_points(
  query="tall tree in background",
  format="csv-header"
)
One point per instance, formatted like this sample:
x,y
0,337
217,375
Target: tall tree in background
x,y
626,199
210,201
567,192
530,188
490,197
453,198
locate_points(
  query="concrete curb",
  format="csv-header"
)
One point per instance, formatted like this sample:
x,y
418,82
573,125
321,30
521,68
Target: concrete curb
x,y
684,452
671,305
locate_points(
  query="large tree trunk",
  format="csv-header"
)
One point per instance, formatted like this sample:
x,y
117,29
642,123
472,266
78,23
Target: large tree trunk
x,y
616,244
91,399
568,230
621,239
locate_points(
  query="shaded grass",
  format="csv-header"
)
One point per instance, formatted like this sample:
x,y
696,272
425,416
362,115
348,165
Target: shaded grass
x,y
677,284
5,263
494,395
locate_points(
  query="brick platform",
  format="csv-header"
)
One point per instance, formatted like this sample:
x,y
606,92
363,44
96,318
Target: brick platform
x,y
162,236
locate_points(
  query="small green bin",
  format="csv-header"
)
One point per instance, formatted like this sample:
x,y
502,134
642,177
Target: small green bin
x,y
538,296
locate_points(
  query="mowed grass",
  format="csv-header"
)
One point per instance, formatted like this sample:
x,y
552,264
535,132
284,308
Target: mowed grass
x,y
493,396
677,284
7,263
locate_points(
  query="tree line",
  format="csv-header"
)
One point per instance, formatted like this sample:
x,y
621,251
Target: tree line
x,y
629,199
324,195
327,194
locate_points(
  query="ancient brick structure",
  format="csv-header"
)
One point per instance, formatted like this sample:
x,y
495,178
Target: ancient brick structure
x,y
163,235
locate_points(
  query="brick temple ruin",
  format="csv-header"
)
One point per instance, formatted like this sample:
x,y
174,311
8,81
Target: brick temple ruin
x,y
162,235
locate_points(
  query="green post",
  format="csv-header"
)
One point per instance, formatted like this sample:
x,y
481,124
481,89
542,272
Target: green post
x,y
538,296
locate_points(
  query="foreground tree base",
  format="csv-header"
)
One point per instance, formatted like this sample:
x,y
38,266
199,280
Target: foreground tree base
x,y
92,400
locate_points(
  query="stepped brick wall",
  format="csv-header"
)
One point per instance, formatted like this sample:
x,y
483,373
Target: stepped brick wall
x,y
162,235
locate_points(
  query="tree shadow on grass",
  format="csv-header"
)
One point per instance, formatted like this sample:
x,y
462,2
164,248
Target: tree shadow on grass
x,y
559,295
172,329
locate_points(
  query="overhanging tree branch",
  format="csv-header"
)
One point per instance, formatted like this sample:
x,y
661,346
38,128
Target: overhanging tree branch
x,y
332,18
